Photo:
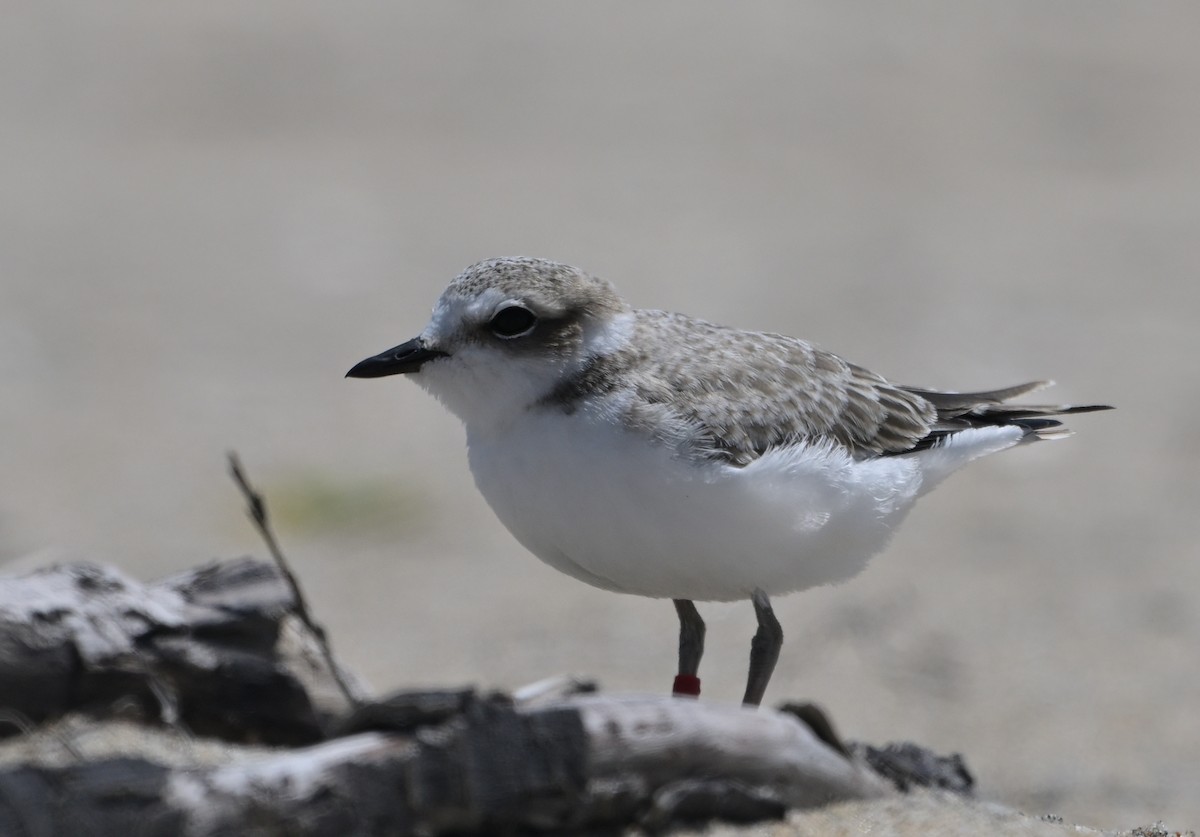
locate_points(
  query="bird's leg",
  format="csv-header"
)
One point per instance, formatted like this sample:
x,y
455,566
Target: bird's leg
x,y
691,648
764,649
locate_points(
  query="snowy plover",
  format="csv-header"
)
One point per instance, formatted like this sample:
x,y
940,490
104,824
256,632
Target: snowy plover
x,y
651,453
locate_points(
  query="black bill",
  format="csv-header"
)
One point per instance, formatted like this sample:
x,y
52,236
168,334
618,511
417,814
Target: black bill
x,y
407,357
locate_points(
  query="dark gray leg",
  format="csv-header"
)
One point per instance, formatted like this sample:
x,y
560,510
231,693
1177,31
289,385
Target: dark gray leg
x,y
764,649
691,648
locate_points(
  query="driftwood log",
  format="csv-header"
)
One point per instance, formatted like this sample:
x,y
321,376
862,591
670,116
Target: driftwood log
x,y
214,653
214,650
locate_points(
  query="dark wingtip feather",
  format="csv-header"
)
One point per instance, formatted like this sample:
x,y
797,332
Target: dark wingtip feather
x,y
958,411
1086,408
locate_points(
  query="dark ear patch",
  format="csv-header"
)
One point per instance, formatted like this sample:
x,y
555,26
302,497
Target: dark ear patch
x,y
542,335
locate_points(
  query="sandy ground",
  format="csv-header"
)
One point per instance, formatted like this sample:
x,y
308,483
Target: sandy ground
x,y
211,212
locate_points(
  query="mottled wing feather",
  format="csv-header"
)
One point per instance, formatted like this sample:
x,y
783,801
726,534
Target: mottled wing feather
x,y
748,392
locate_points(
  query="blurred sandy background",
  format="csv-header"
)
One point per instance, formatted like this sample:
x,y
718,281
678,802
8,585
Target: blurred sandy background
x,y
211,211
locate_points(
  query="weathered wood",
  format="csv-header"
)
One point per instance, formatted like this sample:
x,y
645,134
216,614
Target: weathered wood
x,y
218,652
211,649
660,740
578,764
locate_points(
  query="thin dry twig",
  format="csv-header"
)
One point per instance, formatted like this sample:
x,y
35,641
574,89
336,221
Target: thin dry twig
x,y
256,508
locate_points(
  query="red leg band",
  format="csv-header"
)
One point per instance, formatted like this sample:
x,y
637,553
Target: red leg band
x,y
686,684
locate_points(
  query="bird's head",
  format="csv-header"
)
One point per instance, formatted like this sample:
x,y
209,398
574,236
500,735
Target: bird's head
x,y
505,334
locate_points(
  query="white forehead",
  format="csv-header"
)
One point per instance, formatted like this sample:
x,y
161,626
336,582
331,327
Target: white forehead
x,y
454,309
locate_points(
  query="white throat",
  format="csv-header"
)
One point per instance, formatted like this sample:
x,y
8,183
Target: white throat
x,y
489,389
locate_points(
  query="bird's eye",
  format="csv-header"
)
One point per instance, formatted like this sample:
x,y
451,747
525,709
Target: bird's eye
x,y
513,321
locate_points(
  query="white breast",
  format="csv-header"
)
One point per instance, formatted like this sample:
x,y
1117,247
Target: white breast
x,y
612,508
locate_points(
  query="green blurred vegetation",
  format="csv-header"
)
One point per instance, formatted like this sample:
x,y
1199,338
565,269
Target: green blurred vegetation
x,y
322,504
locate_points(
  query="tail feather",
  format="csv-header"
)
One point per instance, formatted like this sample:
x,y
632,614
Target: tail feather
x,y
949,402
958,411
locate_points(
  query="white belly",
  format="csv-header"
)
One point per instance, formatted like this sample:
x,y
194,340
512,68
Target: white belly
x,y
611,508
